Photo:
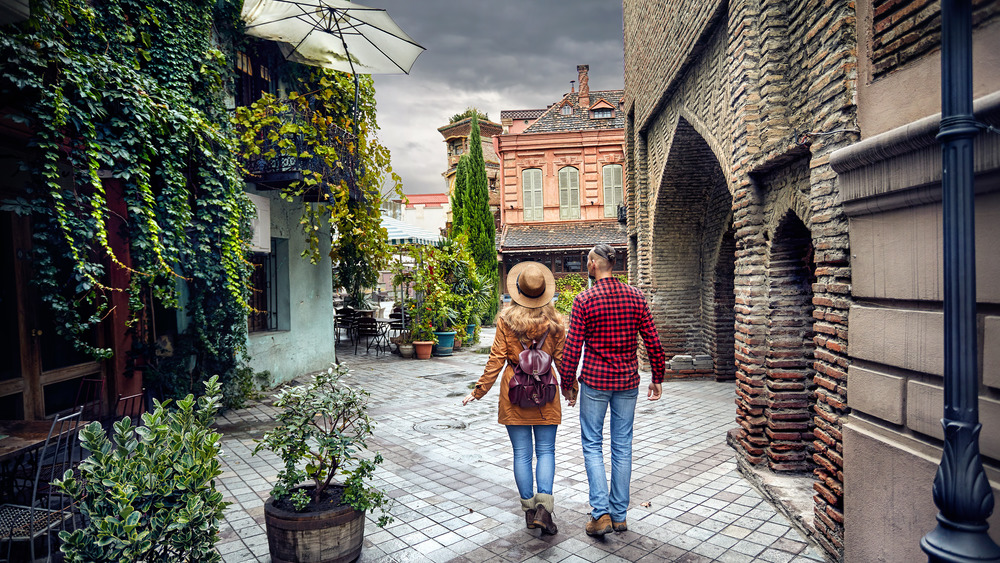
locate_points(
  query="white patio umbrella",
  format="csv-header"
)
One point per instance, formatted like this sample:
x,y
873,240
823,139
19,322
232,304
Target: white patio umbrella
x,y
334,34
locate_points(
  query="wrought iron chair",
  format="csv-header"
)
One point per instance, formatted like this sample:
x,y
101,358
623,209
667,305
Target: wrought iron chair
x,y
131,406
371,331
346,320
49,511
90,396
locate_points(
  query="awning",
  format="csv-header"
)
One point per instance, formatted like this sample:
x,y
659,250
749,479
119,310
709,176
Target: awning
x,y
404,233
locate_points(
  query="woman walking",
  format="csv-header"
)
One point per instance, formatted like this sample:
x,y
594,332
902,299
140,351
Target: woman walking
x,y
530,317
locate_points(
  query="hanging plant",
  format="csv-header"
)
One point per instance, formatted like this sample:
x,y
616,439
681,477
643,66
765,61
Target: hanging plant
x,y
341,189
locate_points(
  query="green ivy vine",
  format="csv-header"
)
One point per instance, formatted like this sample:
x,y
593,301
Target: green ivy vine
x,y
134,91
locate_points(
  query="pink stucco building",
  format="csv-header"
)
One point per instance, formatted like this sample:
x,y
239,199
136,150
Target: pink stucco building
x,y
561,178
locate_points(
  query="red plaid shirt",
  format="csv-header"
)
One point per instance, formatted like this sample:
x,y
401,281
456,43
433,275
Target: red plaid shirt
x,y
608,317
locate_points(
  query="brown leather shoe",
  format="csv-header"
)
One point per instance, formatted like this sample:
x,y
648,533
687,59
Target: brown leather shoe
x,y
620,526
600,526
529,519
543,520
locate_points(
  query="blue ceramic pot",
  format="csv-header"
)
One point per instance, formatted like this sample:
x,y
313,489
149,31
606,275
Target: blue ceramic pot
x,y
445,344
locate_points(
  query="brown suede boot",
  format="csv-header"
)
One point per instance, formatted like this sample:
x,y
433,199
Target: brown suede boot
x,y
600,526
543,513
620,526
528,506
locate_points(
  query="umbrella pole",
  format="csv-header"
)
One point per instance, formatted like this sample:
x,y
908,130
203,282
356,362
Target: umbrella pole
x,y
354,115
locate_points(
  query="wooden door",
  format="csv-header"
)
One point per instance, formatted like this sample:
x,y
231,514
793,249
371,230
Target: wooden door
x,y
40,372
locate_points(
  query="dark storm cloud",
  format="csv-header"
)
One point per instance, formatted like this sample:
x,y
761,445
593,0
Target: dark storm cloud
x,y
495,56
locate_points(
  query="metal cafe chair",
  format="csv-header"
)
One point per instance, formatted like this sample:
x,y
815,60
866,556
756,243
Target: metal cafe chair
x,y
131,406
90,396
346,319
49,510
370,330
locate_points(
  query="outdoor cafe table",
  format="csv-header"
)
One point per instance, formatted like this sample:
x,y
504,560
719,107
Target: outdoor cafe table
x,y
19,439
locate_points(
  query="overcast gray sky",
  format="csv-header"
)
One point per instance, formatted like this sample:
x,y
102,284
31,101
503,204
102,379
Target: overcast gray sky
x,y
511,54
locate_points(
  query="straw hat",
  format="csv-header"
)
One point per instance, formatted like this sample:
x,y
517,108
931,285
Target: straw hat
x,y
531,284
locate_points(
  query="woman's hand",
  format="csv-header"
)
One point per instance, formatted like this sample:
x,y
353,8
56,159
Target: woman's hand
x,y
468,399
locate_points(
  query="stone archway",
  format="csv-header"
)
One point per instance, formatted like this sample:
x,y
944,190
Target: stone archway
x,y
692,261
789,357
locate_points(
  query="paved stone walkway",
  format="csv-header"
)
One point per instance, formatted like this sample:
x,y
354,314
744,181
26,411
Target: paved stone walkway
x,y
448,469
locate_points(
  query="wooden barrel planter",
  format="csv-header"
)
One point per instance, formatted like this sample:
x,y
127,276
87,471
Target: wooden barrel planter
x,y
332,536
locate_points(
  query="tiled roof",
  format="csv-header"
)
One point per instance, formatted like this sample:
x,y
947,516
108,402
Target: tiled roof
x,y
426,199
463,128
521,113
553,120
563,235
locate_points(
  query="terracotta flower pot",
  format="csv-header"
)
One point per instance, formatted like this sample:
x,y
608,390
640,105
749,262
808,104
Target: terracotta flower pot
x,y
423,349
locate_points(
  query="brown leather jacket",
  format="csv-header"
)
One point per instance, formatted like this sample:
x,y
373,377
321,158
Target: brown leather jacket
x,y
506,348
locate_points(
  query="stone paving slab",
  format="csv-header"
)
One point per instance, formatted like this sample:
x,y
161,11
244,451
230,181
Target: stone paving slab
x,y
449,471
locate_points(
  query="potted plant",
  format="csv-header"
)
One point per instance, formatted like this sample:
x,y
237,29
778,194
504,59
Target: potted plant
x,y
423,338
404,343
322,430
443,312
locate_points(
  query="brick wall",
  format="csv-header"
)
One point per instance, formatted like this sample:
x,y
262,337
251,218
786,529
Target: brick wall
x,y
764,91
905,30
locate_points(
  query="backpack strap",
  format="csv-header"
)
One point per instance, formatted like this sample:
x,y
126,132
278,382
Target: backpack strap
x,y
542,341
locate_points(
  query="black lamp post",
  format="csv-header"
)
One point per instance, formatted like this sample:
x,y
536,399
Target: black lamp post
x,y
961,490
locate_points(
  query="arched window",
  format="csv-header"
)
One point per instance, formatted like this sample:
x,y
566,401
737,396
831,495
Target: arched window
x,y
569,193
612,189
567,109
531,188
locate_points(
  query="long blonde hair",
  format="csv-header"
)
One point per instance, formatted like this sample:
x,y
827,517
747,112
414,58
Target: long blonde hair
x,y
531,323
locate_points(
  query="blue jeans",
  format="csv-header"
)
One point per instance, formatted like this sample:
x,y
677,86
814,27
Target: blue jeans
x,y
544,449
593,408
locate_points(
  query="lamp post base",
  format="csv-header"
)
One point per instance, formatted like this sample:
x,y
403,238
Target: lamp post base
x,y
951,542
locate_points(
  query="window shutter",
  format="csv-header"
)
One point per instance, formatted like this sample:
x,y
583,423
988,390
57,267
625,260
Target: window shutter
x,y
612,189
531,187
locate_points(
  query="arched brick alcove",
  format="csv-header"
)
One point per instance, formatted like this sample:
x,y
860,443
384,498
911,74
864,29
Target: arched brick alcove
x,y
692,260
724,305
790,348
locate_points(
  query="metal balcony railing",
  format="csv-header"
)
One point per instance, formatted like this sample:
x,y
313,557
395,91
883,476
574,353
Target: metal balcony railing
x,y
284,167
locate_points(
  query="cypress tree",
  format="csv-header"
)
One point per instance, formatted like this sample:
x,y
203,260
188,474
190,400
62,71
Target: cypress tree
x,y
478,219
458,197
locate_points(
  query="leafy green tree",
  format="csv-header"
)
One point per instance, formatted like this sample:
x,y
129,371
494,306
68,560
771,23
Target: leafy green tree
x,y
458,197
469,112
478,218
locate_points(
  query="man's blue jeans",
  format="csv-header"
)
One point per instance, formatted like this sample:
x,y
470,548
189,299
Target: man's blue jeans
x,y
544,448
593,408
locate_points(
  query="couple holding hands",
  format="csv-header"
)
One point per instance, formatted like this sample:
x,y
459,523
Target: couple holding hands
x,y
607,319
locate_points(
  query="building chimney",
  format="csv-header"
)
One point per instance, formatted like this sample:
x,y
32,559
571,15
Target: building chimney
x,y
571,87
584,86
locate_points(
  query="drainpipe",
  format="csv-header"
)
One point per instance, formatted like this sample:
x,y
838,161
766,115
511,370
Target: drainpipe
x,y
961,489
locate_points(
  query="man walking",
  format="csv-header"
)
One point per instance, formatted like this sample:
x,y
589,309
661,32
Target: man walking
x,y
607,318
